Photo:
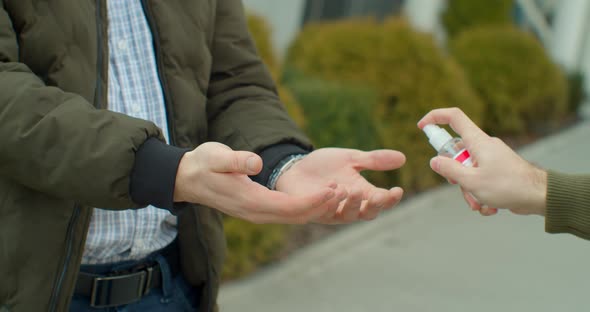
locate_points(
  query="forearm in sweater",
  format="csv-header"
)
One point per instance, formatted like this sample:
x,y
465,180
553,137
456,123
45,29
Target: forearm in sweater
x,y
568,204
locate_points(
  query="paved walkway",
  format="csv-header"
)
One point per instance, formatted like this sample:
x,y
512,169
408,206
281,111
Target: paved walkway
x,y
433,254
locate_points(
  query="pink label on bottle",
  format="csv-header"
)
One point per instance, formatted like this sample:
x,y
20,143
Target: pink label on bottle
x,y
464,157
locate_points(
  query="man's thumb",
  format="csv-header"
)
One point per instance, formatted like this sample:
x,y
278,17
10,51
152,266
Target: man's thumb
x,y
449,168
237,162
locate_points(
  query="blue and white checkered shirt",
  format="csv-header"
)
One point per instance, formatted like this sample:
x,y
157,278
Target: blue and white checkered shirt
x,y
134,89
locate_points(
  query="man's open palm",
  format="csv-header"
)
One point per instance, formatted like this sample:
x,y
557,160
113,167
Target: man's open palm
x,y
343,166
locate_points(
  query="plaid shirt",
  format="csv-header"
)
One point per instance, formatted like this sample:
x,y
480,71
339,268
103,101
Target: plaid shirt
x,y
134,89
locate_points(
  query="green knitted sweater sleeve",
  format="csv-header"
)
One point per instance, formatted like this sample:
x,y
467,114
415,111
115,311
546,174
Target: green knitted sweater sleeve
x,y
568,204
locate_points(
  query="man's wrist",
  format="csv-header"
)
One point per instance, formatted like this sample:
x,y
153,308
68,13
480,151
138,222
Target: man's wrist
x,y
271,157
178,195
539,199
282,167
154,172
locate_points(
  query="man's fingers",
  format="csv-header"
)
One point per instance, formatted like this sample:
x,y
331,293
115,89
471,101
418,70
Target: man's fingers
x,y
379,160
229,161
450,169
473,204
458,121
331,206
278,207
384,199
487,212
350,208
381,200
476,206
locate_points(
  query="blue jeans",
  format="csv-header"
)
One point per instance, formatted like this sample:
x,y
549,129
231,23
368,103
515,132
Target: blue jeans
x,y
174,295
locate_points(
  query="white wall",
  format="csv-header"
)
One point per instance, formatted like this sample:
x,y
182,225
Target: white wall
x,y
426,15
567,40
284,17
570,41
585,69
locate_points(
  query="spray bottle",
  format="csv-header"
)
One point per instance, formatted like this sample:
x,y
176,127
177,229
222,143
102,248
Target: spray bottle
x,y
448,146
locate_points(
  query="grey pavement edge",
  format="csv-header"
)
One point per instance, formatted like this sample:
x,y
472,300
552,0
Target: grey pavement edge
x,y
433,254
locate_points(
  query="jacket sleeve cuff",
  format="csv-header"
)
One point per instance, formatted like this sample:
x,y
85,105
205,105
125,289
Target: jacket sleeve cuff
x,y
154,174
568,204
272,156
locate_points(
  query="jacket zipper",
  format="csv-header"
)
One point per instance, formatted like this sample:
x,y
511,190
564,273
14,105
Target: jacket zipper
x,y
69,244
171,130
70,233
168,101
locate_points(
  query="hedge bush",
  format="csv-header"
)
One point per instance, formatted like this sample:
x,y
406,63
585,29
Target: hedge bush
x,y
251,245
513,75
410,74
337,114
461,15
333,109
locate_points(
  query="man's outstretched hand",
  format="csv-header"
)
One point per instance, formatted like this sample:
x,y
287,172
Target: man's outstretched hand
x,y
216,176
329,166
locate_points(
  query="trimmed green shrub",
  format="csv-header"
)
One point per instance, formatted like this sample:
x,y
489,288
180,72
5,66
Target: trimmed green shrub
x,y
250,246
340,115
337,50
461,15
408,71
513,75
337,114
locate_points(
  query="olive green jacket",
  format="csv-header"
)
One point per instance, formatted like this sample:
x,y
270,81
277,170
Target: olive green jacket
x,y
568,204
62,152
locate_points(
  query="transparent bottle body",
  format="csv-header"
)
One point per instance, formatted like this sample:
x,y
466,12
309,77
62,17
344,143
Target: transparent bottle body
x,y
452,148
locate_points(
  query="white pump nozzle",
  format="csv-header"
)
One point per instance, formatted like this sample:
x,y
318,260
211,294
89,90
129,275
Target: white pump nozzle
x,y
437,136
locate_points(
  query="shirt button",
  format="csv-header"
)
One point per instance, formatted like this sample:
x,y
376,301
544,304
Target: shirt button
x,y
135,108
122,45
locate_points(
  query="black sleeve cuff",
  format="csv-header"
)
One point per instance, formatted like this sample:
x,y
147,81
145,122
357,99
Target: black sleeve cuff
x,y
271,157
154,174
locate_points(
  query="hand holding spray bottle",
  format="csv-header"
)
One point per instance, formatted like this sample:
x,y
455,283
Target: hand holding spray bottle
x,y
450,147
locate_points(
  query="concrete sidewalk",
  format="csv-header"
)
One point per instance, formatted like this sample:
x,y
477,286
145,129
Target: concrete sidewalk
x,y
433,254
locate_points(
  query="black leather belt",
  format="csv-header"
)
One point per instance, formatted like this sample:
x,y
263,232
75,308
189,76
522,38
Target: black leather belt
x,y
121,288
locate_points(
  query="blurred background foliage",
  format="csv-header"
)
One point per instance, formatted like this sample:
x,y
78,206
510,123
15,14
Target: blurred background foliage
x,y
363,83
409,74
513,75
461,15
